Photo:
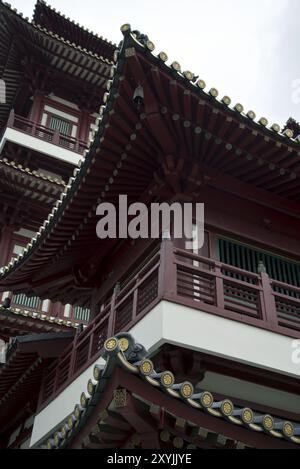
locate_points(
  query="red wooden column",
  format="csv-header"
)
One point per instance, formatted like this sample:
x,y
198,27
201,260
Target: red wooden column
x,y
36,110
5,244
57,310
84,128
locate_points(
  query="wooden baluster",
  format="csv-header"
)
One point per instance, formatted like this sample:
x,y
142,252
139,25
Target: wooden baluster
x,y
112,316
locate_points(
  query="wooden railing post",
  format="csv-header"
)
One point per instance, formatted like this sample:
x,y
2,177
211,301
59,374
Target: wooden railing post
x,y
34,132
112,316
167,279
55,384
135,300
268,299
11,119
219,286
73,354
91,343
55,140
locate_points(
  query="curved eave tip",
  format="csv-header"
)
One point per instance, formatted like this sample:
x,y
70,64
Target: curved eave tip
x,y
125,28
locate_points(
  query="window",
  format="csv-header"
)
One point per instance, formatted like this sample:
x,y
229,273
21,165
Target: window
x,y
57,123
248,258
81,314
26,302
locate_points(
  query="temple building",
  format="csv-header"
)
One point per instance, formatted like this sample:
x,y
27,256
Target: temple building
x,y
141,343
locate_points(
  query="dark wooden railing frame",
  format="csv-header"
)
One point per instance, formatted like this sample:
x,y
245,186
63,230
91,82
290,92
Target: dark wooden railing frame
x,y
165,266
39,131
265,287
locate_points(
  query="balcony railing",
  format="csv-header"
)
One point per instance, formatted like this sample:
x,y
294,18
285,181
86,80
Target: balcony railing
x,y
178,276
44,133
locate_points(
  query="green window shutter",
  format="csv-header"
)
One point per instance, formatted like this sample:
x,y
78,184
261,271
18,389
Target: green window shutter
x,y
248,258
26,302
63,127
81,314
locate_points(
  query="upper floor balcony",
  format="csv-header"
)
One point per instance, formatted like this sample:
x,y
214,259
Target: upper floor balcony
x,y
27,133
232,305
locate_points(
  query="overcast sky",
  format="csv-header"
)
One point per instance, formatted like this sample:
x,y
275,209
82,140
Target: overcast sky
x,y
247,50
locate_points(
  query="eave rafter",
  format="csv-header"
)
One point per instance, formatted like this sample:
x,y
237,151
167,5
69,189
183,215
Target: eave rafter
x,y
155,122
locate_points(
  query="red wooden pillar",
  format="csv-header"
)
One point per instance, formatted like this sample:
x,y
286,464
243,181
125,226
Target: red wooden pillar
x,y
84,128
6,244
57,310
36,110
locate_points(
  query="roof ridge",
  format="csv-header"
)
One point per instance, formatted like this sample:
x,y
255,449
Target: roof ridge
x,y
62,15
69,43
54,35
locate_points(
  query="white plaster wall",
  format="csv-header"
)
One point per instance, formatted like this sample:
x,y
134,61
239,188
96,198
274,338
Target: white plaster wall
x,y
46,306
61,407
63,101
26,233
219,336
